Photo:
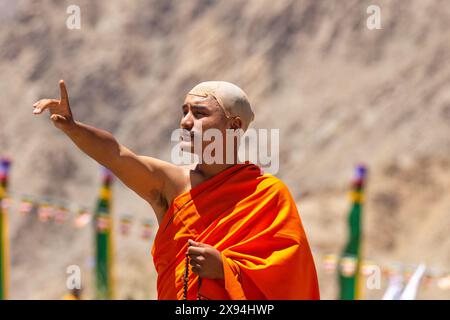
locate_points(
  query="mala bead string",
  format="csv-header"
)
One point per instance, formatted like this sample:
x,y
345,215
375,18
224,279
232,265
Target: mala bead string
x,y
186,280
199,297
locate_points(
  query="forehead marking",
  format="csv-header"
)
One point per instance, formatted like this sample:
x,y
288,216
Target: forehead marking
x,y
204,95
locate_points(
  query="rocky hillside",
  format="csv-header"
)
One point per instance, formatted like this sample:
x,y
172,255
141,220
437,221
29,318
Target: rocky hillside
x,y
340,94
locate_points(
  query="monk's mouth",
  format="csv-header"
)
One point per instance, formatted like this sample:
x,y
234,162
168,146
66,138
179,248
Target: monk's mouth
x,y
188,137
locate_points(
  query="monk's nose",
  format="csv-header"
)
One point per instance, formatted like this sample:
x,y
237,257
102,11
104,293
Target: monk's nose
x,y
187,122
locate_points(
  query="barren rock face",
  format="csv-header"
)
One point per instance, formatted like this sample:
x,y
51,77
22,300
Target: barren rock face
x,y
339,93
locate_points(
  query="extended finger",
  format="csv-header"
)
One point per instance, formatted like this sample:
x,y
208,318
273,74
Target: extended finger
x,y
63,90
39,102
43,104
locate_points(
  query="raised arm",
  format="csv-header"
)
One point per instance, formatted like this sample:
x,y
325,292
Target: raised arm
x,y
145,175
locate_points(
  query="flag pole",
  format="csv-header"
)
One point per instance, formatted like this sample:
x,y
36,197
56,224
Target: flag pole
x,y
4,237
350,262
104,239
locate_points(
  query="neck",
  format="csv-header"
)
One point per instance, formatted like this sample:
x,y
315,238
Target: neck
x,y
210,170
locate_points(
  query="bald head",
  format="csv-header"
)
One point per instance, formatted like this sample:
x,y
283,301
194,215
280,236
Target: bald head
x,y
230,97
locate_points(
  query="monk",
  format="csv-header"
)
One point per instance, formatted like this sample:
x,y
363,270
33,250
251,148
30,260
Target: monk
x,y
226,229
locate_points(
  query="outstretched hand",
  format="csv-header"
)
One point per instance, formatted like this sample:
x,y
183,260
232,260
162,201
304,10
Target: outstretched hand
x,y
60,112
205,260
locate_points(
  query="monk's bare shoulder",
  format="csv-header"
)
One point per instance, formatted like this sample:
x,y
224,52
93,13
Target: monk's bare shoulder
x,y
175,180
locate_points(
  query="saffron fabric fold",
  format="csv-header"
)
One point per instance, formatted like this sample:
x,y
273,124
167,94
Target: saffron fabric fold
x,y
252,219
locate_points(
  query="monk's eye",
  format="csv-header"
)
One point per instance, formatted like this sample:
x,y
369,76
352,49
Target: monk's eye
x,y
185,111
199,114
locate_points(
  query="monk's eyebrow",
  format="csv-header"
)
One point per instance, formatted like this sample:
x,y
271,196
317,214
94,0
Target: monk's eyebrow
x,y
199,106
195,106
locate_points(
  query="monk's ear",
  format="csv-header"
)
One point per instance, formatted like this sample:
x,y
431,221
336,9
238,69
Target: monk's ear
x,y
236,123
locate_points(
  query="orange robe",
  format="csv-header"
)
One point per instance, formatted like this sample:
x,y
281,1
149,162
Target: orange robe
x,y
253,221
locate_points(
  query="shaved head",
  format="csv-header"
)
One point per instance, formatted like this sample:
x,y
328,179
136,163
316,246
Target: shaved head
x,y
230,97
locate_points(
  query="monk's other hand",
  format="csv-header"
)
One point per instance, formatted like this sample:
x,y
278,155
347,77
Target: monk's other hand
x,y
205,260
60,112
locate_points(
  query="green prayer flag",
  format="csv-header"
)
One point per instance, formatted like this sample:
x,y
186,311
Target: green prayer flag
x,y
103,238
350,262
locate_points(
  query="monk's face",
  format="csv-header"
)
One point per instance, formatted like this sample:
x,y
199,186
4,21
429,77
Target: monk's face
x,y
200,114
